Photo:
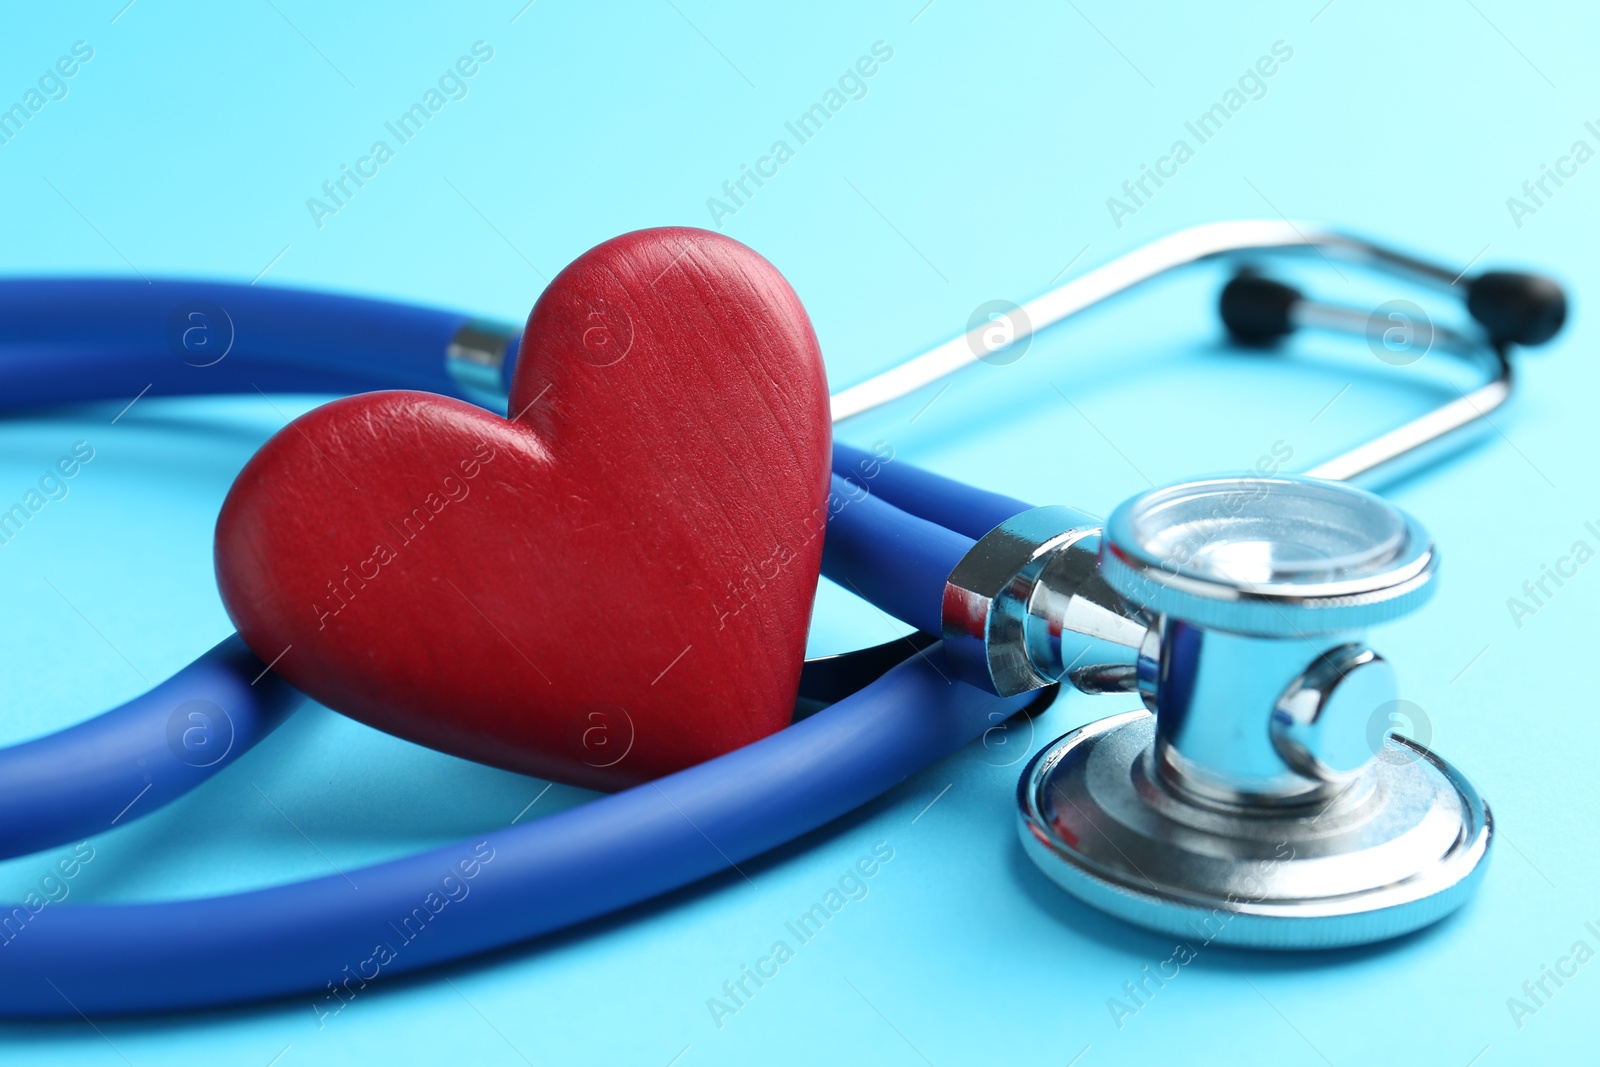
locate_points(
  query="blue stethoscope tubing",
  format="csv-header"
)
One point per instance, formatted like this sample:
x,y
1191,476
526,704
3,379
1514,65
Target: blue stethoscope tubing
x,y
127,762
317,937
897,534
182,338
312,936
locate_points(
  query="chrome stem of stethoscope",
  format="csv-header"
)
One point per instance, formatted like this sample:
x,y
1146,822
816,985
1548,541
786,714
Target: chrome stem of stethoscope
x,y
1378,459
1259,798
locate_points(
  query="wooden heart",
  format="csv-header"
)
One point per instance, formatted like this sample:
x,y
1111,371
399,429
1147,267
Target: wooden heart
x,y
611,585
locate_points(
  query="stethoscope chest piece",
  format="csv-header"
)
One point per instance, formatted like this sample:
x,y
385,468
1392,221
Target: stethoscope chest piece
x,y
1258,799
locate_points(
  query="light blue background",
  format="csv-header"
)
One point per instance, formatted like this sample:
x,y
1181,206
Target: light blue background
x,y
976,168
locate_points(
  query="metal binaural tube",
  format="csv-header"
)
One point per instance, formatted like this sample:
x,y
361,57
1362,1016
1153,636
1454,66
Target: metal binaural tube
x,y
1522,308
1181,249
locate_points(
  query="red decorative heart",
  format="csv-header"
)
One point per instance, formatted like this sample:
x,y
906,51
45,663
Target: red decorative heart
x,y
613,584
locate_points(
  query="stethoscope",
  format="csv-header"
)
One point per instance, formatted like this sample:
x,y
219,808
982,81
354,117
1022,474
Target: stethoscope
x,y
1253,802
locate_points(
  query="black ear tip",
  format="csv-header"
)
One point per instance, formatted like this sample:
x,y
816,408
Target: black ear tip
x,y
1527,309
1256,310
